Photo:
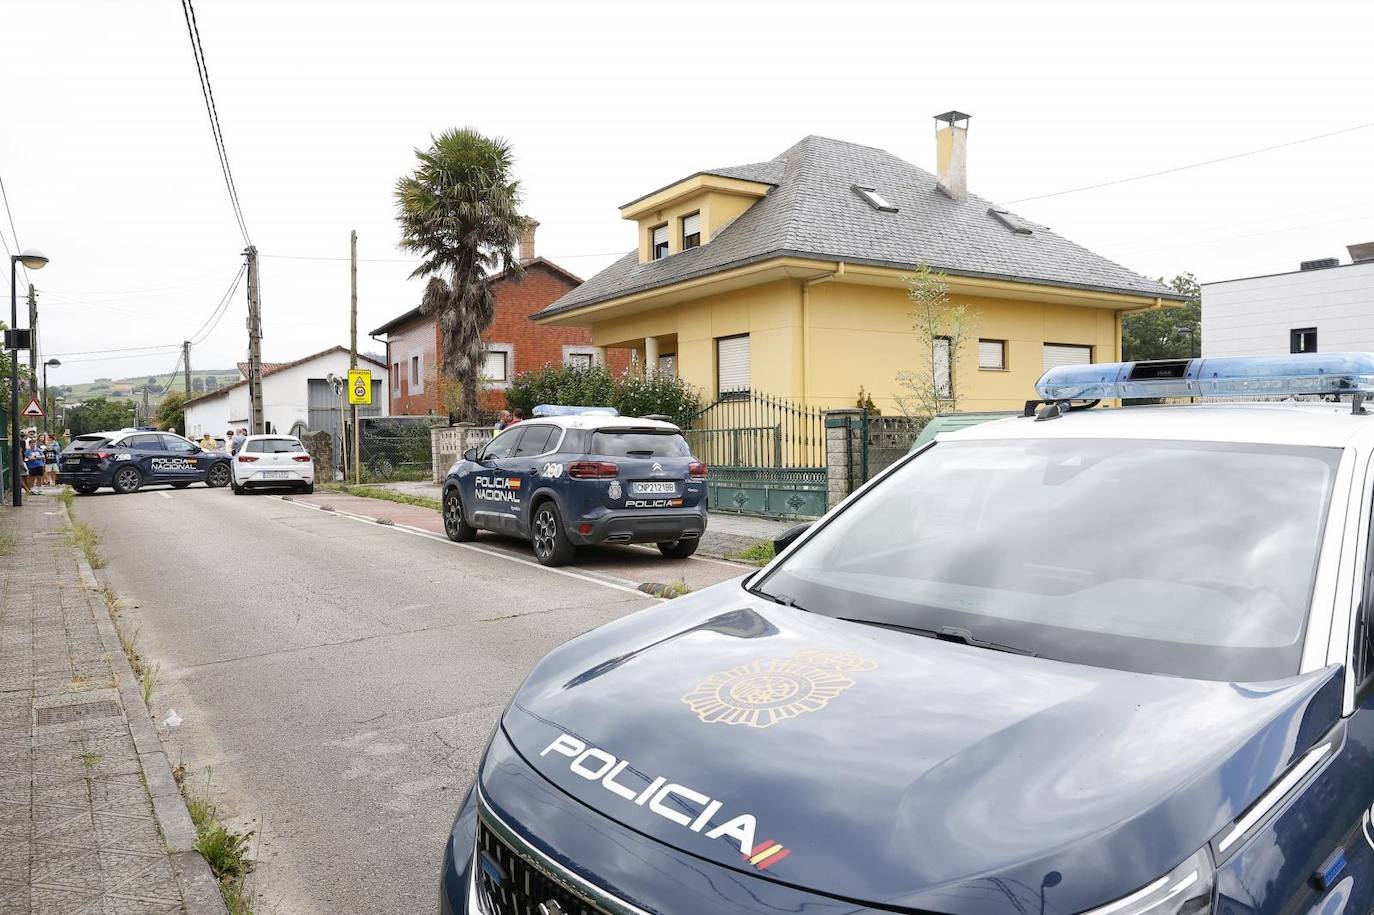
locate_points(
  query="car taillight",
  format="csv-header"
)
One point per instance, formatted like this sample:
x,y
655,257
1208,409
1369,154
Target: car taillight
x,y
696,470
300,457
246,458
593,470
104,455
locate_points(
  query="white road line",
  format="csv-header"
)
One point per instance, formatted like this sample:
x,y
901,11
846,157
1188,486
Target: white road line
x,y
500,554
165,495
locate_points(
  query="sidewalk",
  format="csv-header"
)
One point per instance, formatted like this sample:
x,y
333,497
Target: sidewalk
x,y
90,818
726,532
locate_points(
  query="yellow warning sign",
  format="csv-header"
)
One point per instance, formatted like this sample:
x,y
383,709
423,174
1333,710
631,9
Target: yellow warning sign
x,y
360,387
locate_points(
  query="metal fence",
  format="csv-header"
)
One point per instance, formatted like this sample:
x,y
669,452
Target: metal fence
x,y
881,442
396,447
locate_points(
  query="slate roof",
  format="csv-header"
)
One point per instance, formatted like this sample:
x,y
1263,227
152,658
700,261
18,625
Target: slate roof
x,y
406,317
812,211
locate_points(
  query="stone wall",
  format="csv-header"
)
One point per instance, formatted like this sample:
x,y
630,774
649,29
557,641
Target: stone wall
x,y
321,448
449,442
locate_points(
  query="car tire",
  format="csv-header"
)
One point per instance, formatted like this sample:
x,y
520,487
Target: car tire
x,y
679,549
127,480
308,489
548,536
217,476
238,490
180,485
84,489
455,525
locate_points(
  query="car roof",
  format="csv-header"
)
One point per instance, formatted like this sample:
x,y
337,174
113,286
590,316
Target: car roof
x,y
1320,424
598,421
271,435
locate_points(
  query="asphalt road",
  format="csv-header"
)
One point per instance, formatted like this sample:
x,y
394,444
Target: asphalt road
x,y
337,678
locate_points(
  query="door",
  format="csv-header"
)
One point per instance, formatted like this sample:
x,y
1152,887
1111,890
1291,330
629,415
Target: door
x,y
146,452
524,468
495,494
180,459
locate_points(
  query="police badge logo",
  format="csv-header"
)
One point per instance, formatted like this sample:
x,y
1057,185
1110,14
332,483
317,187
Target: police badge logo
x,y
764,693
614,490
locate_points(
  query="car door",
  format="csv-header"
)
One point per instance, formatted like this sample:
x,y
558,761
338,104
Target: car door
x,y
523,467
179,460
495,502
145,450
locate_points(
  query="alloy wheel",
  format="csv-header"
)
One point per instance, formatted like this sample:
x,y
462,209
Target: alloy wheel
x,y
453,511
545,531
218,476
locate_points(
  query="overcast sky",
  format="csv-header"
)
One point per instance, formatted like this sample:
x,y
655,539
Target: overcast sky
x,y
106,153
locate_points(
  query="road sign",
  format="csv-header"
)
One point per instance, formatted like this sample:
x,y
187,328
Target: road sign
x,y
360,387
33,409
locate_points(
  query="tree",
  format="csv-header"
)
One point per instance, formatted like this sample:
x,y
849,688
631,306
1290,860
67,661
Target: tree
x,y
459,209
942,331
98,415
1166,333
171,413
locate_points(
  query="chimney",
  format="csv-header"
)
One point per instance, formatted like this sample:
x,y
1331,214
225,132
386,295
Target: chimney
x,y
527,240
1319,264
951,154
1361,253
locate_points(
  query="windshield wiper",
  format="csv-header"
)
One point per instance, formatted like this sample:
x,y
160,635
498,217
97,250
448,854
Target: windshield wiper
x,y
947,634
783,599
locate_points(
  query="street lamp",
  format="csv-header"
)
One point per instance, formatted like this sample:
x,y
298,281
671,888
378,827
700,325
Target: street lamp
x,y
54,363
33,259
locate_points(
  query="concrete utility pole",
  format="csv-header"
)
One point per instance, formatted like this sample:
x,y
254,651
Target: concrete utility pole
x,y
33,342
186,372
146,415
353,345
254,345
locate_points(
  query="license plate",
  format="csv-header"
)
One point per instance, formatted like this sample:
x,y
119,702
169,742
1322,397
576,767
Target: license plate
x,y
276,475
72,462
644,489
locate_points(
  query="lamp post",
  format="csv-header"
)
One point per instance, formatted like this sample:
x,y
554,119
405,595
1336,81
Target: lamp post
x,y
54,363
33,259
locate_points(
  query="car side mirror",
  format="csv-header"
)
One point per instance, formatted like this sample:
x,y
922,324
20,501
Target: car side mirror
x,y
470,454
789,536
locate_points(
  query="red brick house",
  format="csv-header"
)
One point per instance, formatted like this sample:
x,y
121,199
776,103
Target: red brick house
x,y
515,344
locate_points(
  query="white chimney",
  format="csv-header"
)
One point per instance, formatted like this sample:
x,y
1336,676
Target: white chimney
x,y
527,241
951,154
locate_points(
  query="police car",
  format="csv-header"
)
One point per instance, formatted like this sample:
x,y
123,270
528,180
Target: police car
x,y
1111,661
574,476
129,459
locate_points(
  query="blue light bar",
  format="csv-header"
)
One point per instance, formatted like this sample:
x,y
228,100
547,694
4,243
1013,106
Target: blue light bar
x,y
554,409
1213,376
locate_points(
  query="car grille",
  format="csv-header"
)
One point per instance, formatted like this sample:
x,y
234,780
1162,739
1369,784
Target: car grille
x,y
510,884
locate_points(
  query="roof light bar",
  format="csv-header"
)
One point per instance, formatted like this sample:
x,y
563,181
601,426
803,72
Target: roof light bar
x,y
1213,376
552,409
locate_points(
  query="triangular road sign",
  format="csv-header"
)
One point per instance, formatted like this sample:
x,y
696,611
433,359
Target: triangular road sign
x,y
33,409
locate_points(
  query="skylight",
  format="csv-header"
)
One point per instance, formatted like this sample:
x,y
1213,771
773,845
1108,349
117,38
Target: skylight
x,y
874,199
1011,221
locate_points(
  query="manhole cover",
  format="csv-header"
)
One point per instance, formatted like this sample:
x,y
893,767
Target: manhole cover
x,y
66,714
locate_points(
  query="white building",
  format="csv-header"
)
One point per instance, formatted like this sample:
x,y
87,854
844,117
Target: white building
x,y
1325,306
296,396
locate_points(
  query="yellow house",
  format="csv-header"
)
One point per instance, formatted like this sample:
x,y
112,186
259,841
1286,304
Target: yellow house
x,y
786,277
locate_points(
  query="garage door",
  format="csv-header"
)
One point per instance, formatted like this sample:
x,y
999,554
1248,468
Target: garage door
x,y
1057,354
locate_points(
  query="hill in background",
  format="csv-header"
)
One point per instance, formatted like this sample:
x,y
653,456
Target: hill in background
x,y
202,382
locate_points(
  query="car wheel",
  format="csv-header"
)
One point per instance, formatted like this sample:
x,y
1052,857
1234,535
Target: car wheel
x,y
180,485
308,488
238,490
551,544
455,525
382,466
679,549
84,489
218,476
127,480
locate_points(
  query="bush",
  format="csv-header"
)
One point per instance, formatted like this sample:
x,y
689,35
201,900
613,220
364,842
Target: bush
x,y
594,386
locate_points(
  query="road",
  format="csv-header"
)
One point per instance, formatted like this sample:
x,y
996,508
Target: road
x,y
337,677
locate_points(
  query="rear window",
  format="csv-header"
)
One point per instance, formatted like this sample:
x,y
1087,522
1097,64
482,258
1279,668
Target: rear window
x,y
87,442
612,443
274,446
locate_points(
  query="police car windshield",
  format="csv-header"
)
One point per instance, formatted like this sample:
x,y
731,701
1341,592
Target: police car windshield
x,y
1185,558
638,443
87,442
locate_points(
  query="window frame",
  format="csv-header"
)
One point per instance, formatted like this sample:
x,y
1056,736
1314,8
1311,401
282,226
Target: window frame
x,y
654,245
1298,335
551,446
505,365
992,368
682,230
948,392
1092,351
734,393
515,432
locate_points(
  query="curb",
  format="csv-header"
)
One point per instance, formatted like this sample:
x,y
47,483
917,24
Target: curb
x,y
199,889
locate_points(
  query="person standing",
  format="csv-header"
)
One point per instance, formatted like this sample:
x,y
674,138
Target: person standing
x,y
238,440
208,443
502,420
34,463
51,452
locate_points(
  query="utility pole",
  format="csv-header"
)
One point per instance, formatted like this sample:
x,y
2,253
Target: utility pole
x,y
146,415
353,345
254,344
33,342
186,372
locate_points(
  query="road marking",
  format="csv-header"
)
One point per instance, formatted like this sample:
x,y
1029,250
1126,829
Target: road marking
x,y
165,495
500,554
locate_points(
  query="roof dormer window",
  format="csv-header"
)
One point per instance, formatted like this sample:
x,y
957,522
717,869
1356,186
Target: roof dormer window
x,y
874,199
691,231
658,242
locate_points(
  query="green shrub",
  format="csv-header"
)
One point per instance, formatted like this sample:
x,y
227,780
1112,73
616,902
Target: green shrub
x,y
595,386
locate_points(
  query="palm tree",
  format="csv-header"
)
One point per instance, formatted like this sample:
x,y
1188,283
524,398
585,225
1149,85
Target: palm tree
x,y
459,210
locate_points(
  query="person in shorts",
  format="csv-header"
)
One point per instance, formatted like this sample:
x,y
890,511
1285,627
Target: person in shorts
x,y
34,464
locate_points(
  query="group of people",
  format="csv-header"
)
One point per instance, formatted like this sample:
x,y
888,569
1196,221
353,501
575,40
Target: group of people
x,y
39,453
505,419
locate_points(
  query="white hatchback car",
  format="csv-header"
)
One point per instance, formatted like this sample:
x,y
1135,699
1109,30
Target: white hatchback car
x,y
272,460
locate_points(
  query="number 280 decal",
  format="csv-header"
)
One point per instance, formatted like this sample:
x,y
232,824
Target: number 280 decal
x,y
552,471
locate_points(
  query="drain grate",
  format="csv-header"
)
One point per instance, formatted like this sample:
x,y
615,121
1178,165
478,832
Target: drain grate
x,y
84,711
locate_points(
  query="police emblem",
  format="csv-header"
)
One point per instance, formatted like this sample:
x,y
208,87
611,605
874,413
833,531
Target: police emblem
x,y
763,693
614,490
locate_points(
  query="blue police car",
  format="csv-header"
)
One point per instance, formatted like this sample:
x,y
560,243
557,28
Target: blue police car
x,y
575,476
1104,661
130,459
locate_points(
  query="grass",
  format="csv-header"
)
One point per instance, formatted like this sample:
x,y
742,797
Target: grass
x,y
82,535
226,852
147,682
758,553
89,758
7,546
666,590
65,496
378,492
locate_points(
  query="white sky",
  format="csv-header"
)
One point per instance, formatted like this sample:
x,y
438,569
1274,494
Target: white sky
x,y
106,153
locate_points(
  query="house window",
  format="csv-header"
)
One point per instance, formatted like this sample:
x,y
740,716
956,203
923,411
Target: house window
x,y
579,360
874,199
1057,354
414,371
732,366
659,242
691,231
497,366
395,379
944,380
667,365
992,355
1302,340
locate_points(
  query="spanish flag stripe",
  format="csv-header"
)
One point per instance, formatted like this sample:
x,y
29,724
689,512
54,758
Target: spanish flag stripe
x,y
768,852
774,859
762,846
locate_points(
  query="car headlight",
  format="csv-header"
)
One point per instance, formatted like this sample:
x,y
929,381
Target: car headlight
x,y
1185,890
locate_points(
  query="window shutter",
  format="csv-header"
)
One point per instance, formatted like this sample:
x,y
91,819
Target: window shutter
x,y
992,354
732,364
1057,354
661,235
691,225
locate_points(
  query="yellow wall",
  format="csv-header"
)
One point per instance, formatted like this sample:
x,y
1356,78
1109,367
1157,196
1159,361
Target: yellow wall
x,y
858,335
717,210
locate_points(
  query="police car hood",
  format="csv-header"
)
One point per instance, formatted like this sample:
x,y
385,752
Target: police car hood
x,y
900,770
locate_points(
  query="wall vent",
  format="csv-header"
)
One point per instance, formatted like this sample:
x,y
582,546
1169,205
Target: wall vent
x,y
1321,264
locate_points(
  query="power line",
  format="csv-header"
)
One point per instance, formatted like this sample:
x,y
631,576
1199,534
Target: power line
x,y
206,329
413,260
1183,168
212,112
125,349
14,233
